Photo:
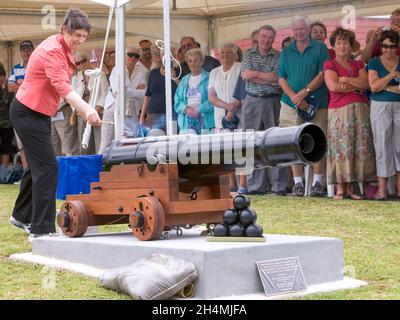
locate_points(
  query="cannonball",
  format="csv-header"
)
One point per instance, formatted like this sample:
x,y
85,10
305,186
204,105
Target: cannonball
x,y
231,216
247,216
253,230
236,230
221,230
241,202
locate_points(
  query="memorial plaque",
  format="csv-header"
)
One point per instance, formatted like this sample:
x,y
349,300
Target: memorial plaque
x,y
281,276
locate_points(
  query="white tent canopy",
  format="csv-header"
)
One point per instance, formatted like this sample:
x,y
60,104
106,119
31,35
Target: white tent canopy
x,y
211,22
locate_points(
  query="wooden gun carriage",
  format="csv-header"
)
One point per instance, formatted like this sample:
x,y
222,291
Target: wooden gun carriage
x,y
157,183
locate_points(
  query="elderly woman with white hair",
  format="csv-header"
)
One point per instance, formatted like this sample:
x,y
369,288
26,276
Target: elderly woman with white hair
x,y
222,85
195,112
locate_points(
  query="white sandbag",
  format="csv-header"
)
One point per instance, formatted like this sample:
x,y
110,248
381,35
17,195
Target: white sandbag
x,y
156,278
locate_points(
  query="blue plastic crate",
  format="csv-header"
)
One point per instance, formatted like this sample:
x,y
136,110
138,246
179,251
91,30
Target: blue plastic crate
x,y
75,174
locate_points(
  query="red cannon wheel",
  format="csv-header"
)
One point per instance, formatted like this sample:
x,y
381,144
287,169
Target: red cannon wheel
x,y
73,218
147,218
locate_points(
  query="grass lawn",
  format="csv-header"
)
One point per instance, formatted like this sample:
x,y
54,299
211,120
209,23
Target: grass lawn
x,y
370,231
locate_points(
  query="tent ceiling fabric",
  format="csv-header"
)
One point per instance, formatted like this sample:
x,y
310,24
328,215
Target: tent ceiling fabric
x,y
229,20
232,19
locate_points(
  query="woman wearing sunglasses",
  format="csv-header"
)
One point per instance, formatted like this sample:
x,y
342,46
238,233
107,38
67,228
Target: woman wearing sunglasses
x,y
47,80
384,80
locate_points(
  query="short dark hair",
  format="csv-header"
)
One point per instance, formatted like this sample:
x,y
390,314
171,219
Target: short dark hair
x,y
76,19
392,35
2,70
144,41
267,27
191,38
318,23
342,34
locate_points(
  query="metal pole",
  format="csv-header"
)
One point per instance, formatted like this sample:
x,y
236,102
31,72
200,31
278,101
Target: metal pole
x,y
120,67
167,59
10,58
210,42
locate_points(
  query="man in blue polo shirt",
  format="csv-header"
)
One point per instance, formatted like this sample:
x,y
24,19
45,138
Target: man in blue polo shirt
x,y
301,75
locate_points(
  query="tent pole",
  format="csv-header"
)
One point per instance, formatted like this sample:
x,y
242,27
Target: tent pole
x,y
210,44
167,64
9,56
120,67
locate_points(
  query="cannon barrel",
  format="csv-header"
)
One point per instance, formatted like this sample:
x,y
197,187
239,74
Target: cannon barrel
x,y
304,144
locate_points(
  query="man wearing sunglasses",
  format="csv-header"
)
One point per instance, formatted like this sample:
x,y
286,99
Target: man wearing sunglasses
x,y
373,46
209,63
135,84
145,50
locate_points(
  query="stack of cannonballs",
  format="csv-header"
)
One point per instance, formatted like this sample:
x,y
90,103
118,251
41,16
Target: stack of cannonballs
x,y
240,221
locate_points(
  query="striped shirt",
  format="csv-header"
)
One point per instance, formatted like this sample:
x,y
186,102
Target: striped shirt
x,y
253,60
17,73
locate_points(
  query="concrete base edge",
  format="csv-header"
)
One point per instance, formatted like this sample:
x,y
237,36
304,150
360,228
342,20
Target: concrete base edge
x,y
345,284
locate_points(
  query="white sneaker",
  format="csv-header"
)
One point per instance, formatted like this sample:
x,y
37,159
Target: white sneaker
x,y
24,226
34,236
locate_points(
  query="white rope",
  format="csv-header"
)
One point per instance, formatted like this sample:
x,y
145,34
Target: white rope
x,y
96,73
160,45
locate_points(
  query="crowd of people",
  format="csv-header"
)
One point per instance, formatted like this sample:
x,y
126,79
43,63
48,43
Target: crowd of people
x,y
354,93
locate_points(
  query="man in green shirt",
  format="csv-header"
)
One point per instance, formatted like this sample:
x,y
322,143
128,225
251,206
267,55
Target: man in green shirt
x,y
300,75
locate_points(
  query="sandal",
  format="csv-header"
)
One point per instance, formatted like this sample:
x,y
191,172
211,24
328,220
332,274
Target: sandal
x,y
354,196
339,196
380,196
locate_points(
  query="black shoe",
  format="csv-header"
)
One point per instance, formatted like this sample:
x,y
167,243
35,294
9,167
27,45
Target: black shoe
x,y
298,189
317,190
281,193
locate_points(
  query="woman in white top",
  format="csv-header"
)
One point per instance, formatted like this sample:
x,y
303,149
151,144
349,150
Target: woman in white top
x,y
221,86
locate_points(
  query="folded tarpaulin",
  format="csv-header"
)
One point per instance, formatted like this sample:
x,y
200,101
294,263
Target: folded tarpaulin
x,y
75,173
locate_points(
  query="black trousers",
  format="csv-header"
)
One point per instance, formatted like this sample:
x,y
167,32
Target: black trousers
x,y
36,202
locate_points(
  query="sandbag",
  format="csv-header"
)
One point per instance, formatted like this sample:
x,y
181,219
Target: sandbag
x,y
156,278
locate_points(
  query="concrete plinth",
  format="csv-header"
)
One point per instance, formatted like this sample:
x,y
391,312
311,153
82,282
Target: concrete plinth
x,y
225,269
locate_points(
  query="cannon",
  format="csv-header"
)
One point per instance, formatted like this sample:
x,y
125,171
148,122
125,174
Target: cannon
x,y
159,183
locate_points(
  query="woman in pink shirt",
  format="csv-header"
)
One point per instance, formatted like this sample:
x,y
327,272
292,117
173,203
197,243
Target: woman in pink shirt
x,y
350,147
47,80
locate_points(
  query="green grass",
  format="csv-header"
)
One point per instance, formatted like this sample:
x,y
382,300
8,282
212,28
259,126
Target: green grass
x,y
370,232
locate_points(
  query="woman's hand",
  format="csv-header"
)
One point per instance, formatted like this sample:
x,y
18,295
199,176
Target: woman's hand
x,y
191,112
343,79
394,73
92,117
